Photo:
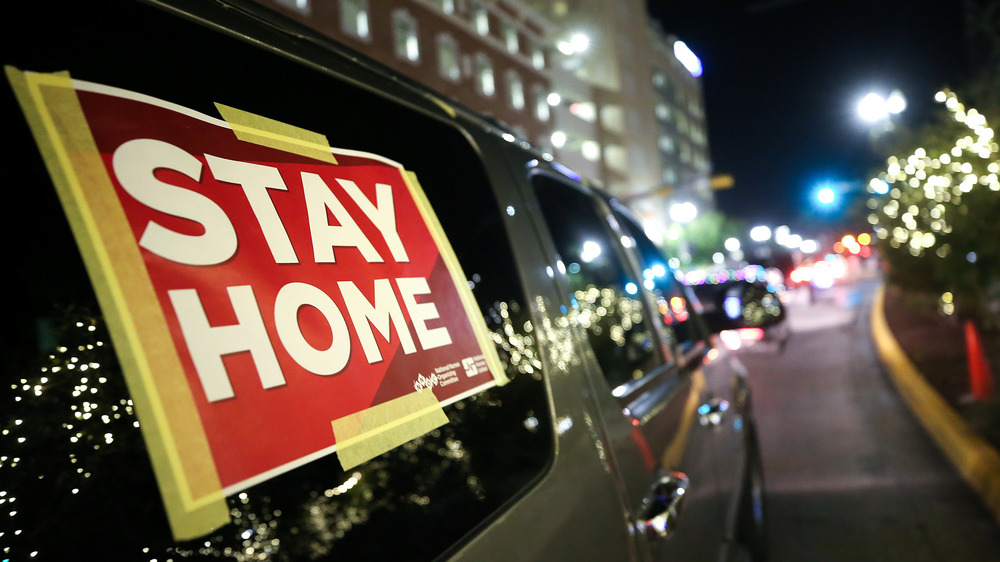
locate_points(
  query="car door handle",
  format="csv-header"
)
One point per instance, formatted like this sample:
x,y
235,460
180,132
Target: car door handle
x,y
663,505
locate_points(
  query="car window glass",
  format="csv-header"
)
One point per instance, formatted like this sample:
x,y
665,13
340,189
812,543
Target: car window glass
x,y
602,290
73,465
672,298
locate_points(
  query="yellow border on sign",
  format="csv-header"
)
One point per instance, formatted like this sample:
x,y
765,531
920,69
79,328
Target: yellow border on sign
x,y
458,277
189,484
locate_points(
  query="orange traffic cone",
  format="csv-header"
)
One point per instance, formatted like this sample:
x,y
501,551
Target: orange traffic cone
x,y
980,377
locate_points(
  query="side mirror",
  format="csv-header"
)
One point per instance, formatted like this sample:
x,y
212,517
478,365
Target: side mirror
x,y
739,304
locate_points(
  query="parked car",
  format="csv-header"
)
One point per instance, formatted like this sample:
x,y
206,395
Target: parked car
x,y
745,311
192,292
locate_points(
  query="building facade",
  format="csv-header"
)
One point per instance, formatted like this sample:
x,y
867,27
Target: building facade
x,y
572,77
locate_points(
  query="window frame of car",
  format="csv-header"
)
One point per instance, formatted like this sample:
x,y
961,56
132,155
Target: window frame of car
x,y
669,368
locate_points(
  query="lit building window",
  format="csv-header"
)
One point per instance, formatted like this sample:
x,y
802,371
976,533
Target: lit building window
x,y
484,75
663,111
446,6
515,89
542,104
685,153
480,19
591,150
302,6
404,36
510,37
537,57
666,144
616,157
584,110
682,123
669,176
448,64
558,139
354,18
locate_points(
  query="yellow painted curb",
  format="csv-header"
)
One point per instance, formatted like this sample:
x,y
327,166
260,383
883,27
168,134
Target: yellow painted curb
x,y
975,459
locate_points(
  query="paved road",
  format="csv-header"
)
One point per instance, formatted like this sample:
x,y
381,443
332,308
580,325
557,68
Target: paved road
x,y
850,474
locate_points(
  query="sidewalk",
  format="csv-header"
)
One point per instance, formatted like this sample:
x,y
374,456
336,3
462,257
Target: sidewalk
x,y
974,458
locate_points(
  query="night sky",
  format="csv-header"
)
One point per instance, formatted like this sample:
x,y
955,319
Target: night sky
x,y
782,81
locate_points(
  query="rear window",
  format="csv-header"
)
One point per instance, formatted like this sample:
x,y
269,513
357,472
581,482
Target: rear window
x,y
75,477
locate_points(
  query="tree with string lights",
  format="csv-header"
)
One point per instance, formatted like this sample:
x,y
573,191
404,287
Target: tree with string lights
x,y
936,210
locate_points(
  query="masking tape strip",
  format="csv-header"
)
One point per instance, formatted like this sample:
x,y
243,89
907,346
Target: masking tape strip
x,y
472,311
261,130
189,484
369,433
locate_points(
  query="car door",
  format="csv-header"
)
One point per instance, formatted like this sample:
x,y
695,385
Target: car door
x,y
648,385
724,406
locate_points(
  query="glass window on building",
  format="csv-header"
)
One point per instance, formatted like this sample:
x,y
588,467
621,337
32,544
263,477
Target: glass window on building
x,y
659,79
666,144
446,6
515,91
669,175
510,38
480,19
541,104
616,157
302,6
662,111
484,76
448,64
354,18
404,36
537,57
591,150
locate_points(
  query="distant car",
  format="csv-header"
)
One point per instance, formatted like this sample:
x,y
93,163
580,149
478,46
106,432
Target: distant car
x,y
746,311
621,434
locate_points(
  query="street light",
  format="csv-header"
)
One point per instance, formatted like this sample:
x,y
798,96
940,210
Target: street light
x,y
877,109
826,195
576,44
760,233
683,212
872,108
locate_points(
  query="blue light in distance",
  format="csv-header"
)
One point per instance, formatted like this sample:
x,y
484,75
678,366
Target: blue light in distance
x,y
826,196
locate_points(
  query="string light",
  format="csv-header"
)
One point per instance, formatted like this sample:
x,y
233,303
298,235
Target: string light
x,y
927,190
74,412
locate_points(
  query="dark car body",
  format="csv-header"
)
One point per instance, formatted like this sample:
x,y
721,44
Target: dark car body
x,y
623,434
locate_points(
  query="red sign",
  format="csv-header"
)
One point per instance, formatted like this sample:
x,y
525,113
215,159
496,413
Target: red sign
x,y
295,291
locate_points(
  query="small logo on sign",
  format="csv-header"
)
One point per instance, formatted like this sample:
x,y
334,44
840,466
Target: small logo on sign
x,y
425,382
469,364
